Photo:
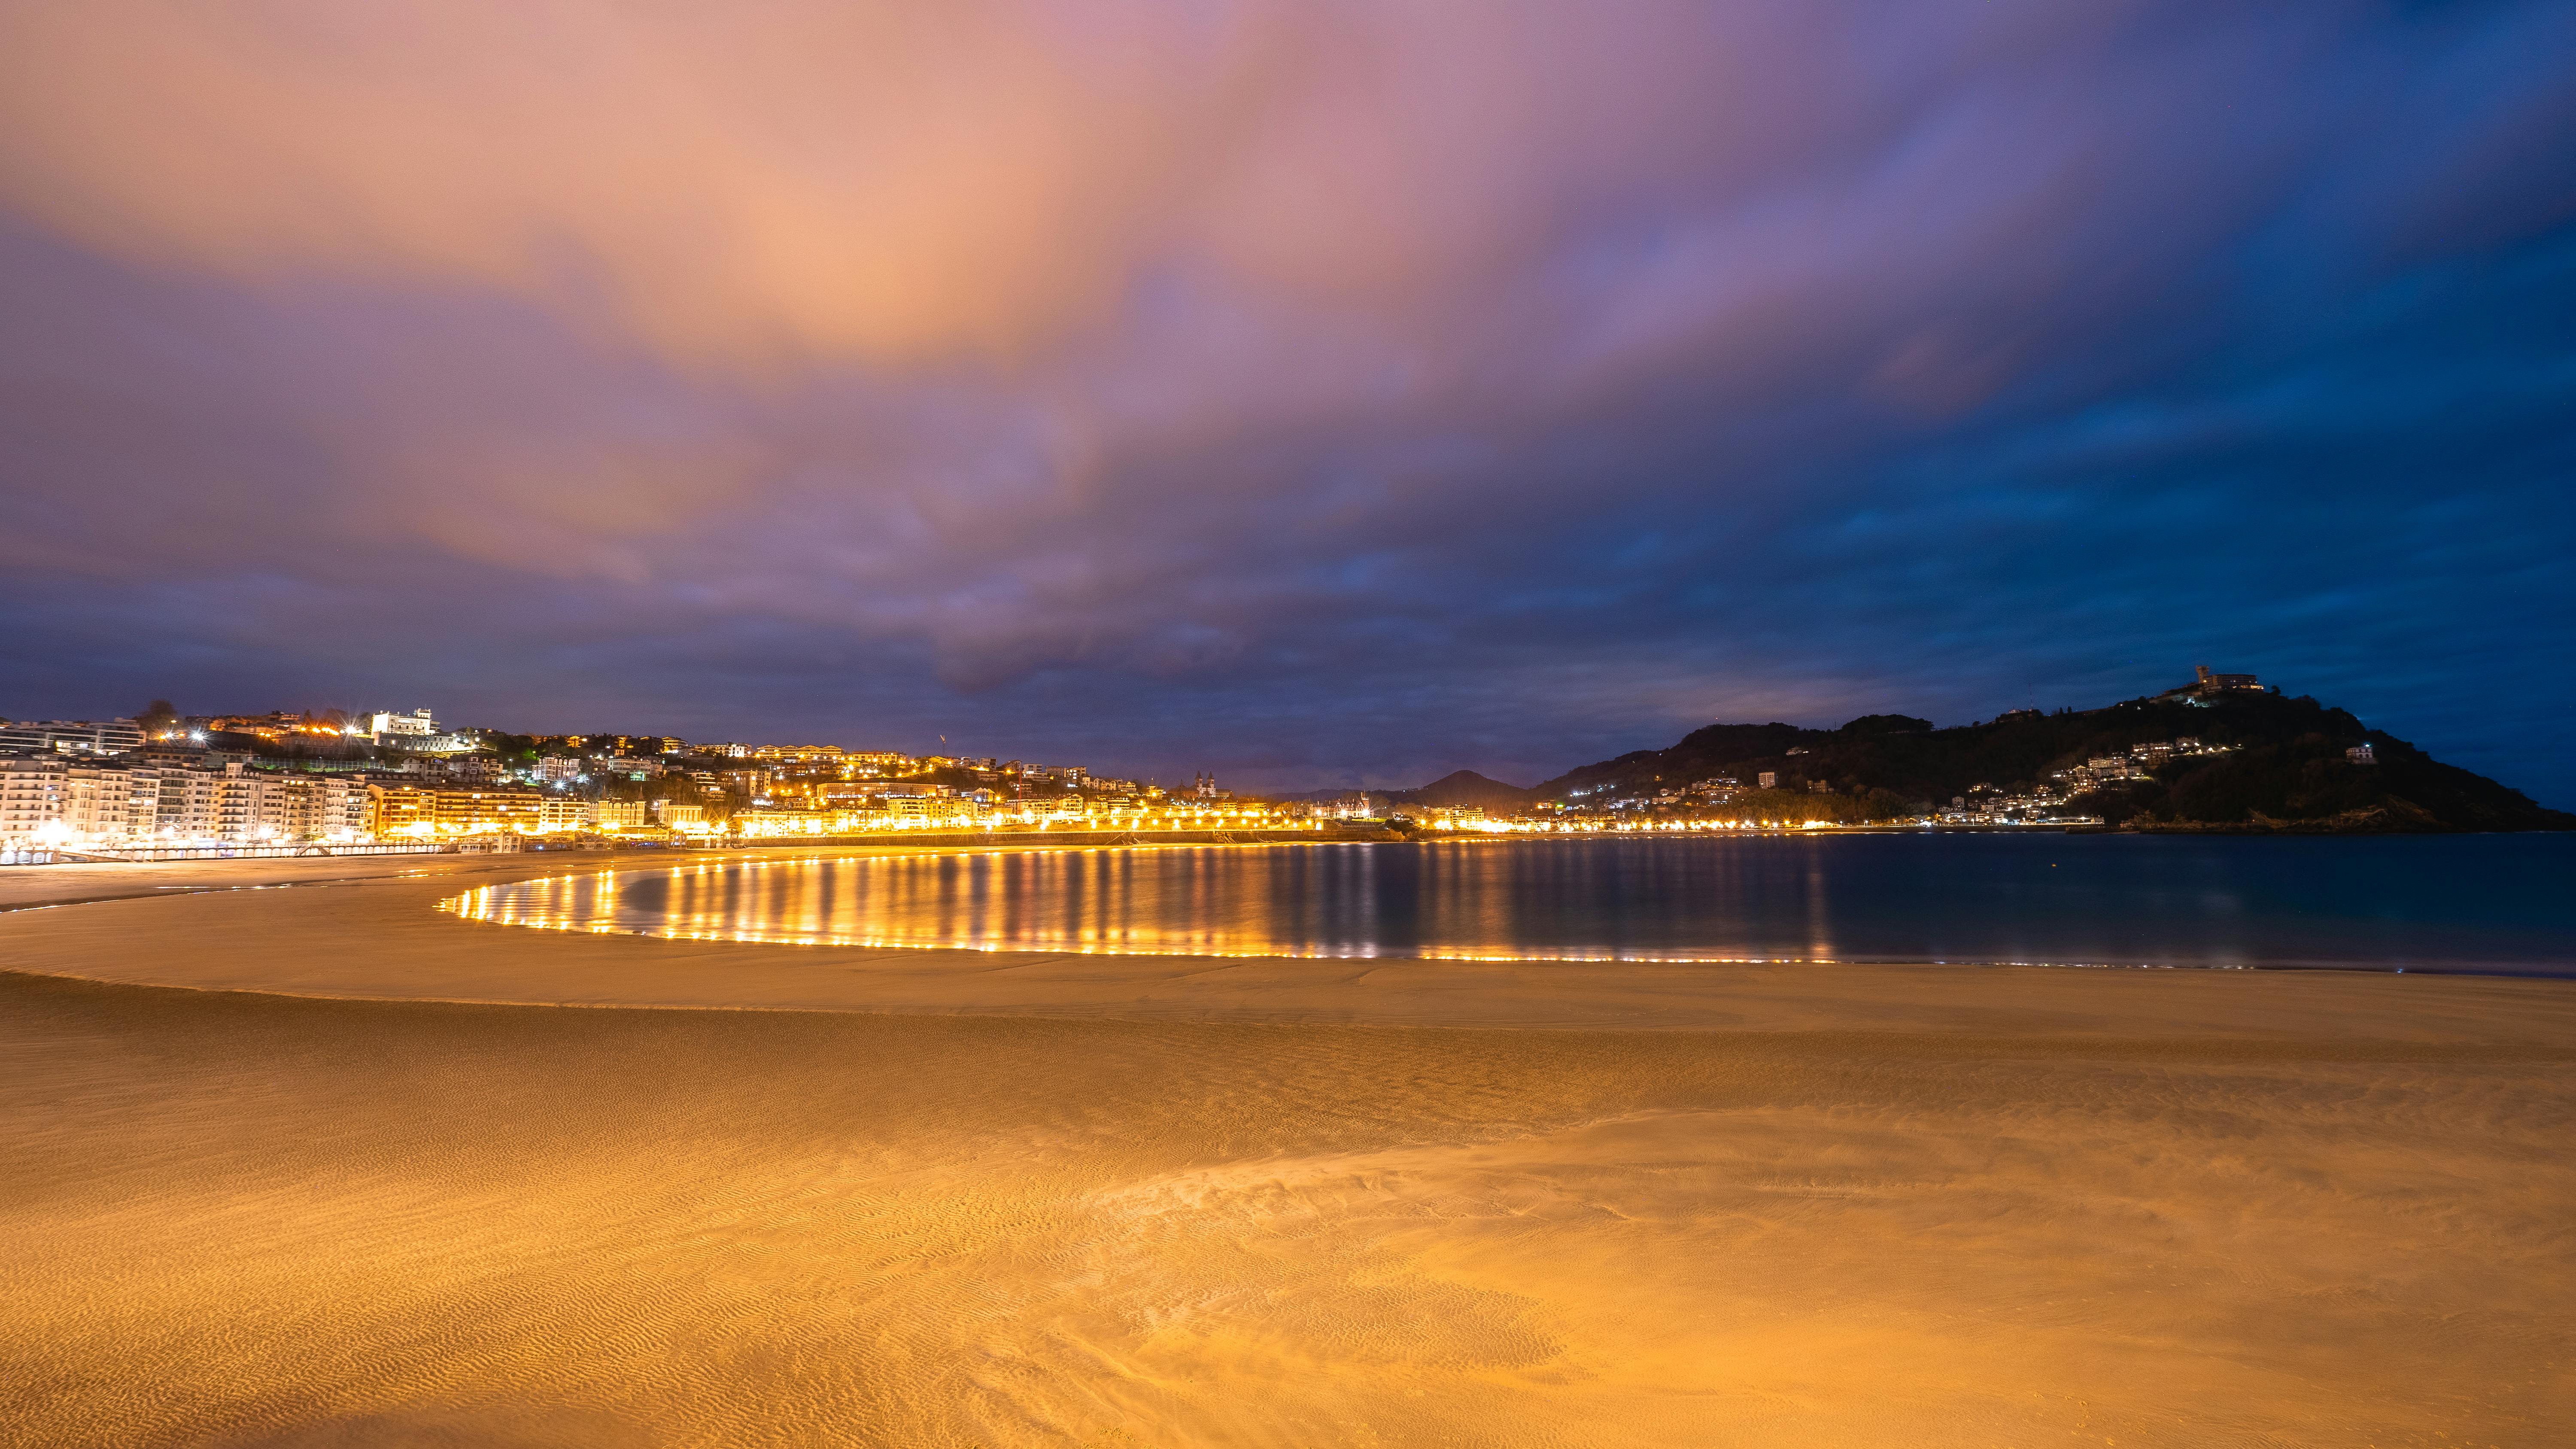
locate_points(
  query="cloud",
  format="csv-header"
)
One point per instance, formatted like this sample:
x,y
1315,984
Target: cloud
x,y
751,186
1368,387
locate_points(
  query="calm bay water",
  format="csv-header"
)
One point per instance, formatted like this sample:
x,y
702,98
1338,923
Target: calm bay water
x,y
2489,903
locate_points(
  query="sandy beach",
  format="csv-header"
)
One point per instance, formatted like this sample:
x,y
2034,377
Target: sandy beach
x,y
299,1159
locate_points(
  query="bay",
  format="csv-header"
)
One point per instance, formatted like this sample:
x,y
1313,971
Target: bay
x,y
2484,903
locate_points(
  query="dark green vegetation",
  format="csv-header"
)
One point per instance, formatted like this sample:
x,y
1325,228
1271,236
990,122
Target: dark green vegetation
x,y
2283,767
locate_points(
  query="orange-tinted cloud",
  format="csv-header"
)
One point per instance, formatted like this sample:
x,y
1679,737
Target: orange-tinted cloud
x,y
733,184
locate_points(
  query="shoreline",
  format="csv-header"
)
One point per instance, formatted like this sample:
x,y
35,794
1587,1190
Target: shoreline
x,y
25,887
318,929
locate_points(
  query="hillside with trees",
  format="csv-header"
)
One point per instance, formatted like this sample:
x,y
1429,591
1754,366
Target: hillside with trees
x,y
1465,789
2268,763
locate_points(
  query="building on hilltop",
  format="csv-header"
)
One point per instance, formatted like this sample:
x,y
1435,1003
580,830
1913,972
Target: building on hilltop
x,y
2214,684
415,731
384,726
2208,685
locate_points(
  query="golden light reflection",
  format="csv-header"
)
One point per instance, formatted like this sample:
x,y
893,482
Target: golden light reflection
x,y
1449,901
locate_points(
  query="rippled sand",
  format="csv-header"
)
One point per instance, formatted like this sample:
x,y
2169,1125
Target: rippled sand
x,y
238,1219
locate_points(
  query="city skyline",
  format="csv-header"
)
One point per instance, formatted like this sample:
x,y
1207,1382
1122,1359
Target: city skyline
x,y
2224,752
419,728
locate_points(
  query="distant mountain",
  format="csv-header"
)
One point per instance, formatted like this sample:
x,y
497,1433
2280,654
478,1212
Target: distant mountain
x,y
1465,789
2287,767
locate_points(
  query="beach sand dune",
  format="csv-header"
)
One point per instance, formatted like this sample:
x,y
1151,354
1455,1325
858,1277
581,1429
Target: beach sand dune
x,y
238,1219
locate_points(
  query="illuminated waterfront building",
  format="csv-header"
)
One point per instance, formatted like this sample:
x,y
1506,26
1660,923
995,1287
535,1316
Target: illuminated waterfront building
x,y
186,807
620,814
108,803
759,823
483,812
429,811
402,809
71,803
31,796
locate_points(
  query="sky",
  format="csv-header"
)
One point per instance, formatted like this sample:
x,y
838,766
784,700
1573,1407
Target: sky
x,y
1316,393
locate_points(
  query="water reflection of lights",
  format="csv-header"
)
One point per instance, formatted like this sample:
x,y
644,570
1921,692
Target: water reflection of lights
x,y
1328,902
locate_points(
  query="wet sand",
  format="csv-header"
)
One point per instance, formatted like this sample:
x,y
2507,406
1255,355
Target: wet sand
x,y
258,1197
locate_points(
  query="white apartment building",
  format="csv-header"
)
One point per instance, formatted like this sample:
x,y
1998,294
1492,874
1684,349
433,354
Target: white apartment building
x,y
186,805
31,796
256,807
57,800
107,803
561,812
72,736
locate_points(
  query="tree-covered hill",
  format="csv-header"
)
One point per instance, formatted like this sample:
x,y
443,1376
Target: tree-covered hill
x,y
2277,763
1467,790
